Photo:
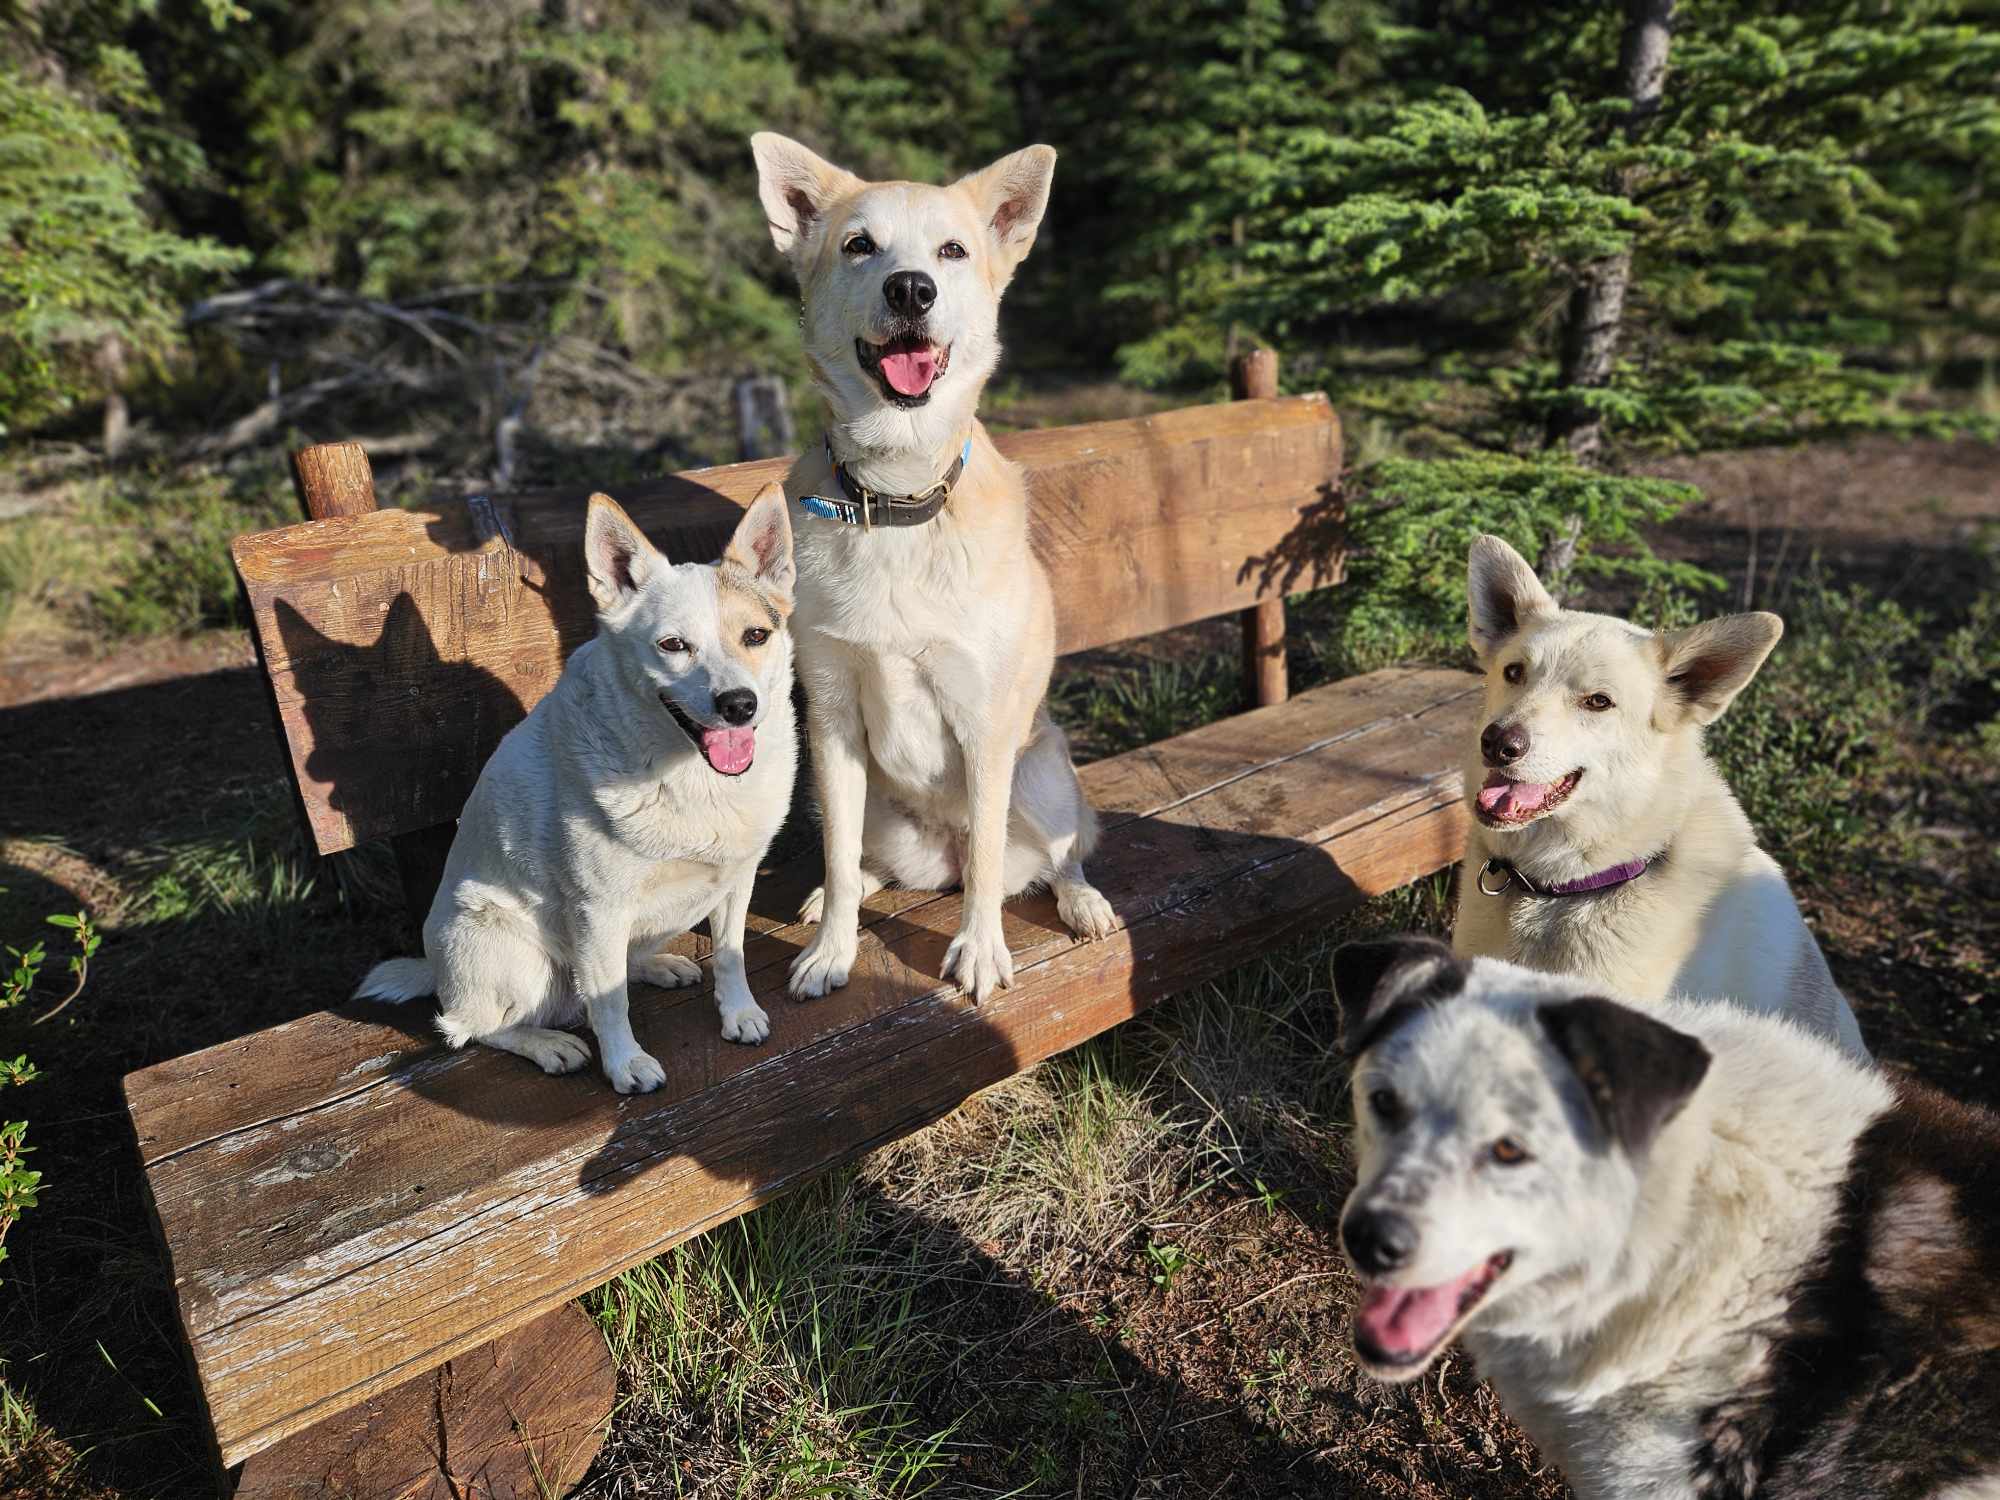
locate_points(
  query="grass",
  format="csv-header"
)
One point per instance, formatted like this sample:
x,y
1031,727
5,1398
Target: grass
x,y
135,552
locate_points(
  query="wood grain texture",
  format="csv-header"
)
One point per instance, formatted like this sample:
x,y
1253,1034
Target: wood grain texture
x,y
342,1214
401,645
333,479
519,1418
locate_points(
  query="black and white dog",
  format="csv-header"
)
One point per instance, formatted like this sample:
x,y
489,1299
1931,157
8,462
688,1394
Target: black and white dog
x,y
1698,1251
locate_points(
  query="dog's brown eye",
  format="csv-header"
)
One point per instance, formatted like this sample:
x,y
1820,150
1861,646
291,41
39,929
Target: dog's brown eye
x,y
951,250
859,244
1597,703
1387,1107
673,645
1509,1152
1513,671
756,636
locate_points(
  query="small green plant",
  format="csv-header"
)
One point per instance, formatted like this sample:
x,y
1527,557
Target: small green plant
x,y
19,1186
1168,1262
1268,1198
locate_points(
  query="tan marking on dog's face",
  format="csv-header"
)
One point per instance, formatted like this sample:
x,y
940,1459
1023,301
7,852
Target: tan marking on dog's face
x,y
744,610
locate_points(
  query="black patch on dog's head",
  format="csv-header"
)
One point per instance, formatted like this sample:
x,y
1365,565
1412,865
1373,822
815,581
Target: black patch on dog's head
x,y
1635,1071
1382,983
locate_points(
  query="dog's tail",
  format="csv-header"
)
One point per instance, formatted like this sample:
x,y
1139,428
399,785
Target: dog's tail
x,y
398,979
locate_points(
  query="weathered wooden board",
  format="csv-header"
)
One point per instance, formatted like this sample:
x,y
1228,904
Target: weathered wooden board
x,y
401,645
518,1418
342,1214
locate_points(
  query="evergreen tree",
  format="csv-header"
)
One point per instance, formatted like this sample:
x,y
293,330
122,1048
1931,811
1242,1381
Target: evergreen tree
x,y
90,274
1180,114
1598,225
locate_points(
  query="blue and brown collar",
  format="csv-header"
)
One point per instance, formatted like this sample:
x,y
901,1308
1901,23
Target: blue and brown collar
x,y
861,506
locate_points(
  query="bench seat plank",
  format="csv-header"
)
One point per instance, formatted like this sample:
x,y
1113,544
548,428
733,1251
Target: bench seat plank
x,y
342,1212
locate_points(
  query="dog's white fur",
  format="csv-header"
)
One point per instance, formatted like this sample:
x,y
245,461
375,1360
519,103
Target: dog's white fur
x,y
1714,918
925,651
597,830
1641,1286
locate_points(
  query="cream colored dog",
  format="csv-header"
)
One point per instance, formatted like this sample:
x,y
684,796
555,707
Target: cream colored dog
x,y
1604,842
925,626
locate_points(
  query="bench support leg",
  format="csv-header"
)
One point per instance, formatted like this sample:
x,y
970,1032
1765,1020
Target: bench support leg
x,y
1253,376
520,1417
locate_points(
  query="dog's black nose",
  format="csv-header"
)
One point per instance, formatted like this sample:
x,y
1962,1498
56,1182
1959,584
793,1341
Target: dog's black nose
x,y
910,293
1503,744
737,706
1378,1241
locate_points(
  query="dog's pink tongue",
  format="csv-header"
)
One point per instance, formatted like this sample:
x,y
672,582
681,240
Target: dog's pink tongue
x,y
1410,1319
1511,799
729,750
910,371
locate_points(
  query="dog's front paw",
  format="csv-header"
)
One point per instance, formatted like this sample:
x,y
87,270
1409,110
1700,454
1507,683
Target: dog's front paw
x,y
745,1023
1085,911
667,970
978,958
811,908
635,1073
825,964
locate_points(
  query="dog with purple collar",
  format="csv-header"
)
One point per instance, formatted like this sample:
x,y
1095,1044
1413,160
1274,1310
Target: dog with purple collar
x,y
1604,842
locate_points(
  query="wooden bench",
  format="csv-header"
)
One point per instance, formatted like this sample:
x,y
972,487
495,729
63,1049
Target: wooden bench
x,y
376,1243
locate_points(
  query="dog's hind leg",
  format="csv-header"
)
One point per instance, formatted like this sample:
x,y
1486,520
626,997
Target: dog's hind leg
x,y
551,1051
1054,830
647,965
499,987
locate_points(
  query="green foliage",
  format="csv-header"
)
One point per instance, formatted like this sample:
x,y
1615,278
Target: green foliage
x,y
19,1186
1181,111
174,575
1803,162
84,257
1111,712
1405,594
1821,748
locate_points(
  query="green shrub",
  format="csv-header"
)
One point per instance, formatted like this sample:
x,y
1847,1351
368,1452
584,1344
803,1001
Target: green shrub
x,y
178,576
1858,698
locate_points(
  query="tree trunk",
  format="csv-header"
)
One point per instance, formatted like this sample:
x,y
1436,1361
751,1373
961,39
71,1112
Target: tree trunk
x,y
1595,324
117,415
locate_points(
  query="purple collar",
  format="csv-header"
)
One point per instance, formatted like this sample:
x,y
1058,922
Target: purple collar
x,y
1603,880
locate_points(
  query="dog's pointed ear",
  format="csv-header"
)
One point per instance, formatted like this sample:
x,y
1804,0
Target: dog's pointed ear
x,y
761,548
1502,595
617,558
1011,196
1708,664
1374,983
1636,1072
798,189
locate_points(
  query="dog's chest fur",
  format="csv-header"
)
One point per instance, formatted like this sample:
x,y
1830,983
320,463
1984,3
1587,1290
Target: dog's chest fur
x,y
924,626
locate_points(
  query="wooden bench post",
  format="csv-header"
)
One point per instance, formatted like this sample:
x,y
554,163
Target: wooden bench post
x,y
523,1415
1254,377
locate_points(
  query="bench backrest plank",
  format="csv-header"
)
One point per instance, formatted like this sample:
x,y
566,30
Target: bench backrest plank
x,y
402,644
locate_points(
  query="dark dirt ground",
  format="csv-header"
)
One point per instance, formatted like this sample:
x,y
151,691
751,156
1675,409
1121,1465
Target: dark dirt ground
x,y
1235,1382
